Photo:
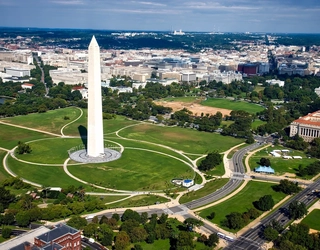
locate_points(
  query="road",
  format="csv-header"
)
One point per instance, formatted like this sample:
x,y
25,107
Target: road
x,y
234,182
253,238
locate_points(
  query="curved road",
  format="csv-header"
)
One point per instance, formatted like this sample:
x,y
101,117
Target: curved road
x,y
235,181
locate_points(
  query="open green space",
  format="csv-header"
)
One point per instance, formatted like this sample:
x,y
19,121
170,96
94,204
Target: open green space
x,y
50,151
109,126
10,136
50,121
3,173
44,175
232,105
242,201
258,88
257,123
187,140
280,165
157,244
313,219
135,170
217,170
182,99
209,188
138,201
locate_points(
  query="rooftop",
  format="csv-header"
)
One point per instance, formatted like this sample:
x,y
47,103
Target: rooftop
x,y
58,231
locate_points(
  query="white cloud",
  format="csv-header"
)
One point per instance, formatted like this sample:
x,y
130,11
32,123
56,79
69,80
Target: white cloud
x,y
149,3
68,2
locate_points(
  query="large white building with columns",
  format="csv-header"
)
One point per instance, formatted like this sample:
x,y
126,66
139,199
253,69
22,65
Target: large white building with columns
x,y
307,127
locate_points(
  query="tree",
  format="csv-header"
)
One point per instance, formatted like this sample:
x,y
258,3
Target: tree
x,y
23,218
213,240
264,203
116,216
270,234
77,222
144,217
234,221
5,197
23,148
287,187
265,162
130,214
137,247
122,241
191,222
297,210
6,232
211,215
211,160
138,234
184,241
105,235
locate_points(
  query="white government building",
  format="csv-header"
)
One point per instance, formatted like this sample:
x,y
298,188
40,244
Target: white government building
x,y
307,127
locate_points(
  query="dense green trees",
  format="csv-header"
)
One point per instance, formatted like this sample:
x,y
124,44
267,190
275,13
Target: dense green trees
x,y
212,160
265,203
287,187
23,148
297,210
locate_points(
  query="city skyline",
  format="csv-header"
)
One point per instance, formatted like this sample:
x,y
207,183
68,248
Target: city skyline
x,y
287,16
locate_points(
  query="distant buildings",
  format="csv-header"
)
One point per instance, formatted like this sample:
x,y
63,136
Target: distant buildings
x,y
307,127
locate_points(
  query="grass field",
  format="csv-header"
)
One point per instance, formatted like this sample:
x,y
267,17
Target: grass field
x,y
279,164
242,201
50,151
257,123
187,140
232,105
209,188
259,88
3,173
44,175
138,201
10,136
109,126
313,219
50,121
130,172
217,170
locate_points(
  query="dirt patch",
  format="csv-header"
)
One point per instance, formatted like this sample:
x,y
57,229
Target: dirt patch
x,y
194,107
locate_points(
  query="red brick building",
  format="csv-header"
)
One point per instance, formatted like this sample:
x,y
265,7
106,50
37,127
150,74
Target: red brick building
x,y
63,235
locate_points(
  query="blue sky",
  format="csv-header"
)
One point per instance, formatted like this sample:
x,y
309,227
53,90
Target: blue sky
x,y
288,16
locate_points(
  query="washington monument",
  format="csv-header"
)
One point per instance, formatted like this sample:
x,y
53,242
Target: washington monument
x,y
95,146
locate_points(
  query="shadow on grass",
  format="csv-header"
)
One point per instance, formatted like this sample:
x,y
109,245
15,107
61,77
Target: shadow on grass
x,y
83,132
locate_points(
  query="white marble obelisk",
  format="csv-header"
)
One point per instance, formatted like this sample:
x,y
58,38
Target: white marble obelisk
x,y
95,145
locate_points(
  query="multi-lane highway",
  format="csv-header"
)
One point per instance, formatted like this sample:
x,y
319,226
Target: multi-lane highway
x,y
253,238
232,184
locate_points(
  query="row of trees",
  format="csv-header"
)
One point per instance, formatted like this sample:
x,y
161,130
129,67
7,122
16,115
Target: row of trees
x,y
135,228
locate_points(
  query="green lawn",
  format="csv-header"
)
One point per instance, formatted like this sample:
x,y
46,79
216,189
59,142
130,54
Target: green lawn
x,y
3,173
232,105
242,201
10,136
209,188
50,121
109,126
217,170
157,244
279,164
187,140
259,88
50,151
313,219
257,123
44,175
138,201
135,170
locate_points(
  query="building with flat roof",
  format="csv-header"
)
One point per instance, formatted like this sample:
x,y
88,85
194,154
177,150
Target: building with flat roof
x,y
307,127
